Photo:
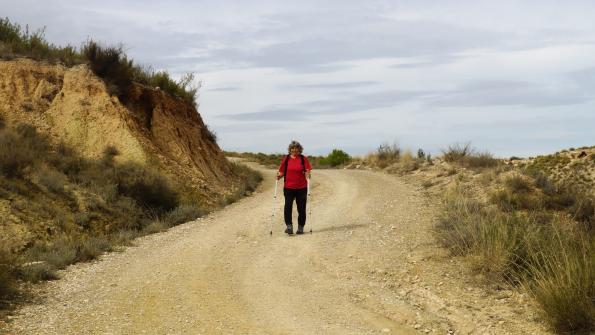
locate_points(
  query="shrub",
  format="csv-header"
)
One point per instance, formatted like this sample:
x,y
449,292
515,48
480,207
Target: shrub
x,y
184,89
421,154
155,226
544,253
457,152
182,214
388,152
249,178
53,180
111,64
583,210
16,154
480,160
147,186
518,183
8,266
465,155
335,158
510,201
210,133
37,271
18,42
564,283
91,247
59,254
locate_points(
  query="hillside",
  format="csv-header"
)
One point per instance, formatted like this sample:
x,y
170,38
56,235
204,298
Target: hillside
x,y
73,105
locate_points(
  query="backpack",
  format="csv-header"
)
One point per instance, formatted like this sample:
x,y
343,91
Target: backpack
x,y
287,163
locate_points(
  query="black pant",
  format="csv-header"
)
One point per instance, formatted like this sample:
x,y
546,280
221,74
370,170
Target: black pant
x,y
300,196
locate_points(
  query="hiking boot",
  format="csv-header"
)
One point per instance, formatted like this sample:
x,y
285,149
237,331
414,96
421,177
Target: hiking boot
x,y
300,230
289,229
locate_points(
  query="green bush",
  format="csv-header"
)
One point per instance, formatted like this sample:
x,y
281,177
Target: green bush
x,y
335,158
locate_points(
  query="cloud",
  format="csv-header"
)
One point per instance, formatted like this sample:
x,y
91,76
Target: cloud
x,y
508,93
271,114
224,89
337,85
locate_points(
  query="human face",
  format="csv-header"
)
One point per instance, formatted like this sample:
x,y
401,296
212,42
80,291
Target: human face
x,y
294,152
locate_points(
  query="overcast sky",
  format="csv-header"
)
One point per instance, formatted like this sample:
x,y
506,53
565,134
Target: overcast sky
x,y
511,77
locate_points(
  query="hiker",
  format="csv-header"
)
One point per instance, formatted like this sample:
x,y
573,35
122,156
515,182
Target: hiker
x,y
295,167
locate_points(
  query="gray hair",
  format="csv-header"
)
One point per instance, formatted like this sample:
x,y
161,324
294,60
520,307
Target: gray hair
x,y
295,144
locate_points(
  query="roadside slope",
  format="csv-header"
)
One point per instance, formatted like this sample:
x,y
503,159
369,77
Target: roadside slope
x,y
371,266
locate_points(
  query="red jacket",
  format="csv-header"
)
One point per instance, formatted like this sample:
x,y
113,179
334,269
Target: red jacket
x,y
295,178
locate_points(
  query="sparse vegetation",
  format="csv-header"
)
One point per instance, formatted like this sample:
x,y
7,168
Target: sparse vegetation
x,y
110,63
466,156
250,179
532,232
86,206
387,154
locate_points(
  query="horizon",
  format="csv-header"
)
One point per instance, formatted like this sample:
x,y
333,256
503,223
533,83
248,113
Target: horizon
x,y
512,79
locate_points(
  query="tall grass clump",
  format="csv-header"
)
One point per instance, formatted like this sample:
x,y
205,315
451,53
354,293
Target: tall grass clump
x,y
563,281
385,155
466,156
548,254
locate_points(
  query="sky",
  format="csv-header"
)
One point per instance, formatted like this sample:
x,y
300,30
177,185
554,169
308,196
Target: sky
x,y
509,77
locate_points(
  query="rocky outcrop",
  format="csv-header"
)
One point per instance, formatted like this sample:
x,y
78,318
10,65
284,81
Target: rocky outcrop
x,y
73,105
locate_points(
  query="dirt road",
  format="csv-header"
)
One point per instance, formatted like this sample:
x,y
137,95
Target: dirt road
x,y
371,266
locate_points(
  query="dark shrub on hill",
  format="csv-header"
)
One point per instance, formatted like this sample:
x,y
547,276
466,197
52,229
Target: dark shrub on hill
x,y
112,65
150,188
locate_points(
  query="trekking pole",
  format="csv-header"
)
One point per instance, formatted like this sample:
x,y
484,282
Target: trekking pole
x,y
273,210
309,207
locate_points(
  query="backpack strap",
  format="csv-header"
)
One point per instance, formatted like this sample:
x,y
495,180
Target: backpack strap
x,y
286,164
303,163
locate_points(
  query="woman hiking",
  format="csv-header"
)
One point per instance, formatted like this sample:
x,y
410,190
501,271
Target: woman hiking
x,y
295,167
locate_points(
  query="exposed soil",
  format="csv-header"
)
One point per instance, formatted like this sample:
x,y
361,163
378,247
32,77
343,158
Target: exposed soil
x,y
371,266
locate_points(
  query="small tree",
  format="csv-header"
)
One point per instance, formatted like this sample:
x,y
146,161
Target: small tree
x,y
421,154
335,158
